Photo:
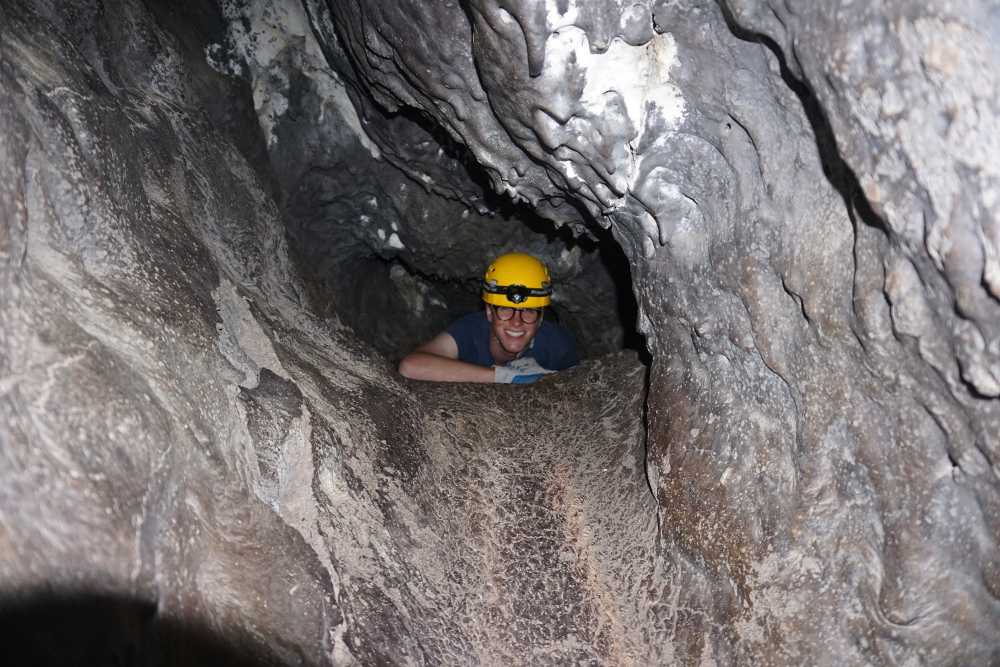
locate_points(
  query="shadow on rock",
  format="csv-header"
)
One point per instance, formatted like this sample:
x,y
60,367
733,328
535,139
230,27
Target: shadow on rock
x,y
106,630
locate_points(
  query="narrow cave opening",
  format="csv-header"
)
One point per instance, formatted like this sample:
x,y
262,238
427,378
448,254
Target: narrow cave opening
x,y
402,259
387,209
394,305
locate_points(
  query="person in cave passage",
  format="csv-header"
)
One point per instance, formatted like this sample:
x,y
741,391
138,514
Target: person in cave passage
x,y
507,342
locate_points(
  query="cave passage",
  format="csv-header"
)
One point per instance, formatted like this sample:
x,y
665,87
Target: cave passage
x,y
393,307
772,228
394,214
401,261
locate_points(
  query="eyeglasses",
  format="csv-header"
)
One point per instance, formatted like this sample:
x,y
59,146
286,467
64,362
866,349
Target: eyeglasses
x,y
528,315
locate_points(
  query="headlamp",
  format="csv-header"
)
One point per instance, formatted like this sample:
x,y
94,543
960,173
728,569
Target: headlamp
x,y
517,293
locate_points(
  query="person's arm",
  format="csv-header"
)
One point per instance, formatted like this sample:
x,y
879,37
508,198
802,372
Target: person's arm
x,y
438,361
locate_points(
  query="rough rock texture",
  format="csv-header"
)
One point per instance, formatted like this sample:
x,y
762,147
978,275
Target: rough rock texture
x,y
196,468
822,414
200,461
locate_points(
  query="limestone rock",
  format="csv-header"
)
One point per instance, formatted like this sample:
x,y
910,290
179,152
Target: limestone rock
x,y
206,456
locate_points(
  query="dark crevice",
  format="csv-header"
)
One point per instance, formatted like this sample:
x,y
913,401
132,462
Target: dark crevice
x,y
613,257
366,286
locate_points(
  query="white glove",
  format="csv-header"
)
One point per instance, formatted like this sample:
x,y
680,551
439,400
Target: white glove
x,y
519,371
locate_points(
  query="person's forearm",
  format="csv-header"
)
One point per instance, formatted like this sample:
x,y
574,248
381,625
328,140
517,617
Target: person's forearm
x,y
426,366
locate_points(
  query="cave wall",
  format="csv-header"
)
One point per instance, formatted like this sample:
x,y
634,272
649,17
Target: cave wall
x,y
200,454
202,465
126,497
805,198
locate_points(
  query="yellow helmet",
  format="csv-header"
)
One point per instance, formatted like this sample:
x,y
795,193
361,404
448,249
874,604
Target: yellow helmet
x,y
517,280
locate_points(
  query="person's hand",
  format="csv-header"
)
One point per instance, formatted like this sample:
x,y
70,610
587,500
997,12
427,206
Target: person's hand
x,y
519,371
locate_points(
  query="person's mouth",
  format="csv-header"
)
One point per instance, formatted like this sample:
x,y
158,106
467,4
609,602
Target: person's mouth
x,y
514,334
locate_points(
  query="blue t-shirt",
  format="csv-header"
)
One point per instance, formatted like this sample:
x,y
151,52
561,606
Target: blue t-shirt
x,y
553,347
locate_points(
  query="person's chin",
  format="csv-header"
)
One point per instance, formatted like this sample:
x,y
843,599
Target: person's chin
x,y
515,343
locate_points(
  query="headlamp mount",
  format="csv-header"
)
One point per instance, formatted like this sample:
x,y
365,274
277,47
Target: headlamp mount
x,y
517,293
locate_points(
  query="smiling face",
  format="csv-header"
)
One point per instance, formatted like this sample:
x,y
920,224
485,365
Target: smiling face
x,y
509,340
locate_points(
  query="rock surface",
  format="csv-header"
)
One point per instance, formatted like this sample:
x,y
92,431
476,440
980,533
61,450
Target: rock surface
x,y
202,462
196,467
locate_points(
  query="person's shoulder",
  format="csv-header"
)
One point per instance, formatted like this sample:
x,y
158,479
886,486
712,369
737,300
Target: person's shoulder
x,y
556,330
474,319
474,316
468,328
471,334
558,346
558,336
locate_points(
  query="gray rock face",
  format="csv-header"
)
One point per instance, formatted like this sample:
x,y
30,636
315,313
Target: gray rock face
x,y
201,461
